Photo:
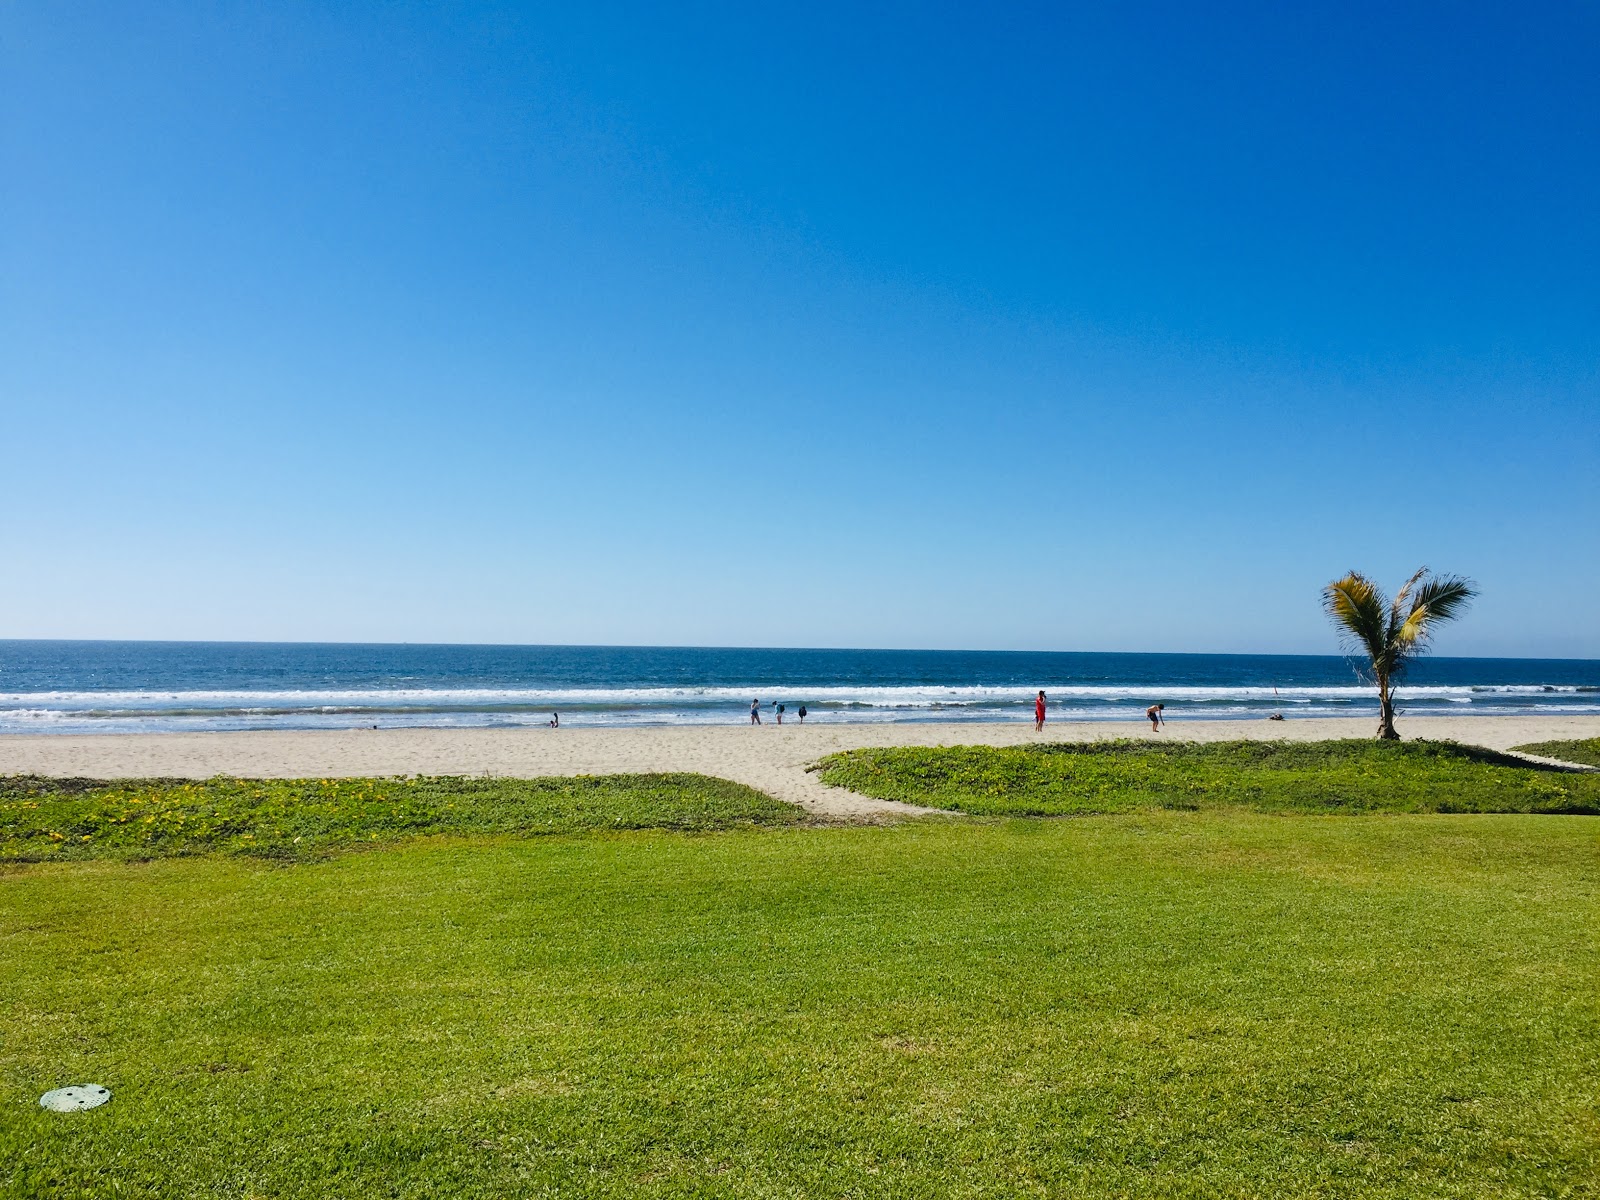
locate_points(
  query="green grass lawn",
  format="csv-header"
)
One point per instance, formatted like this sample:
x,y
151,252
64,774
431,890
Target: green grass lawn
x,y
1152,1004
1583,750
1303,777
43,819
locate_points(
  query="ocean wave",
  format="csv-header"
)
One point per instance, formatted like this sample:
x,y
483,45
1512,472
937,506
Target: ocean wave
x,y
897,695
116,711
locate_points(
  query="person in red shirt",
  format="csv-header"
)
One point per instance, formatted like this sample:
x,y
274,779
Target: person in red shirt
x,y
1038,713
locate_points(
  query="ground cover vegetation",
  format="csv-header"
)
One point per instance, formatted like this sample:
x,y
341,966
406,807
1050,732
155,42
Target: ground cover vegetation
x,y
1352,776
1153,1004
43,819
1585,751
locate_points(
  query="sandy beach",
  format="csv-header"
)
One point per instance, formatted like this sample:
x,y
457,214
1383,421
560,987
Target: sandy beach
x,y
770,757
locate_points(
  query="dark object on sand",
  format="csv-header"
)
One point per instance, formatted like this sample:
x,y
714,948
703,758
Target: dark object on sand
x,y
1275,717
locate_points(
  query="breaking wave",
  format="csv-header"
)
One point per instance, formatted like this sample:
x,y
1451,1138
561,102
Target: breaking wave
x,y
309,708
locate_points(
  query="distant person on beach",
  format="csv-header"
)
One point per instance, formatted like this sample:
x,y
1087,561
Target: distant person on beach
x,y
1153,715
1038,712
780,714
802,714
555,720
755,712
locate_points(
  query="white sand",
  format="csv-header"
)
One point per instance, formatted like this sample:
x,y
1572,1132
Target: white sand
x,y
771,758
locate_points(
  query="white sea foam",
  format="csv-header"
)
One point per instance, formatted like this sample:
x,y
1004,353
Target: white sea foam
x,y
892,696
154,710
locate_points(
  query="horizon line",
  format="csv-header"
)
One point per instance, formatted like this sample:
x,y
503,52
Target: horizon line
x,y
791,649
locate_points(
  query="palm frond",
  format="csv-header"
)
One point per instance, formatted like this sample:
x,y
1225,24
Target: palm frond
x,y
1397,610
1356,606
1438,600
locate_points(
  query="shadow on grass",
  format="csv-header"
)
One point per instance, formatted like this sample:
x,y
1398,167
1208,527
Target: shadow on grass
x,y
1580,752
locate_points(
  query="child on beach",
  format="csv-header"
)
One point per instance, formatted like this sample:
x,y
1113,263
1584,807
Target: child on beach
x,y
1153,715
755,712
1038,712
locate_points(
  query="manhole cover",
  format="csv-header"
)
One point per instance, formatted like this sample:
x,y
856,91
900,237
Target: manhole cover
x,y
75,1098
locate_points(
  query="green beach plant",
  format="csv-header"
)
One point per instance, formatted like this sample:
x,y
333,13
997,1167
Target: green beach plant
x,y
1389,634
47,820
1351,776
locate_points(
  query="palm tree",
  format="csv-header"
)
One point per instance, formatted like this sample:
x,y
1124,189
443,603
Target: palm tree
x,y
1389,633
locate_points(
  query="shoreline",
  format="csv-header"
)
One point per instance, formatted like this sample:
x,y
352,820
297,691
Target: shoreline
x,y
770,758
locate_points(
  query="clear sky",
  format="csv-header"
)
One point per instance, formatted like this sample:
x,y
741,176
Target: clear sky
x,y
1108,327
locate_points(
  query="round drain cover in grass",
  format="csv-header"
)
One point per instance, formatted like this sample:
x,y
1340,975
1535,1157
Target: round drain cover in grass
x,y
76,1098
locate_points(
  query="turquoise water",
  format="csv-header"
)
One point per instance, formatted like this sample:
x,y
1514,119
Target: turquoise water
x,y
77,687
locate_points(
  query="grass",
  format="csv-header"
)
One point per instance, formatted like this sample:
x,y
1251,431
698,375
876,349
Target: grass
x,y
1583,750
1154,1004
1279,777
45,819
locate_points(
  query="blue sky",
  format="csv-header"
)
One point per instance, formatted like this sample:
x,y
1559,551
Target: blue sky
x,y
1118,327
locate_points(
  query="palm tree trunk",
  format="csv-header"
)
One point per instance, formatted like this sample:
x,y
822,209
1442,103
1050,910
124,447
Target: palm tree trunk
x,y
1386,731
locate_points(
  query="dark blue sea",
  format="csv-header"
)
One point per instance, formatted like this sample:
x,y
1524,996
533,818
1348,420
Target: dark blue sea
x,y
115,687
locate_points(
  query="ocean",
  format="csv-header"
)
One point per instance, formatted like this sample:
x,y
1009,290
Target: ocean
x,y
132,687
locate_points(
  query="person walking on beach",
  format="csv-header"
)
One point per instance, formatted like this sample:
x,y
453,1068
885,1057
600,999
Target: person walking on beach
x,y
755,712
802,714
1153,715
780,714
1038,712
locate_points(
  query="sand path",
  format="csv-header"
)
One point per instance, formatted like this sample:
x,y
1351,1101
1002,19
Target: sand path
x,y
771,758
